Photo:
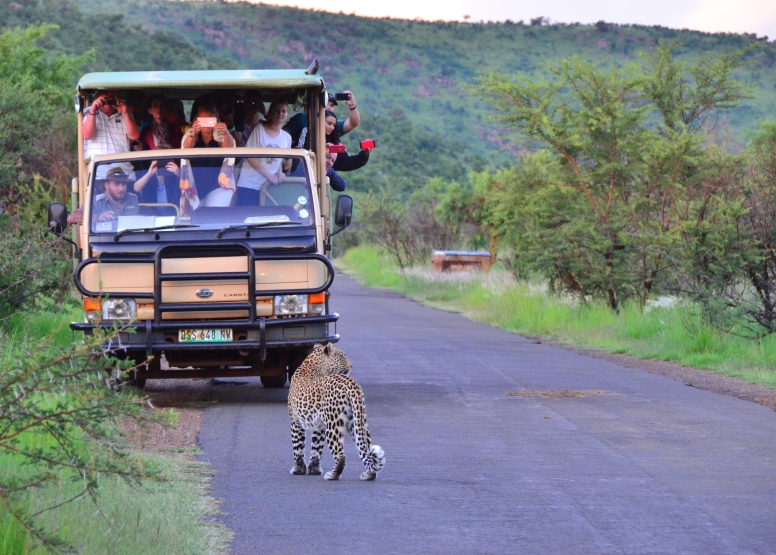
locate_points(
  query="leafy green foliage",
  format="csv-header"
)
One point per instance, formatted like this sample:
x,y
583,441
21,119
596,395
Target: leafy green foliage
x,y
59,410
31,268
33,86
116,44
624,144
422,67
728,239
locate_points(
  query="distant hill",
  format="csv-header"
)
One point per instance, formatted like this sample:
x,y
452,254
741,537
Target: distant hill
x,y
409,73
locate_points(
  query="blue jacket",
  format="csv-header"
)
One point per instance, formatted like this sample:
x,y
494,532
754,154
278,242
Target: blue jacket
x,y
336,182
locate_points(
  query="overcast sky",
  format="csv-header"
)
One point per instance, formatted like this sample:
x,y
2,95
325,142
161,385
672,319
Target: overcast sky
x,y
738,16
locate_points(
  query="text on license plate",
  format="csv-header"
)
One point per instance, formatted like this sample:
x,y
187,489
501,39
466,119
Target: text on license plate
x,y
189,336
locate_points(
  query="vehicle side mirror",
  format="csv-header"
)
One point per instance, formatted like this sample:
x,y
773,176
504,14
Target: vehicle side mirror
x,y
57,218
344,211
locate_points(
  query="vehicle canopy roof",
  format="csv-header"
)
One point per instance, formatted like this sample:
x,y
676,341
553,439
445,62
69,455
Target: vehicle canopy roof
x,y
190,84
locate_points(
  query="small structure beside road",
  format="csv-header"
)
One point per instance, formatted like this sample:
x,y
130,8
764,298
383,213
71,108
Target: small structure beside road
x,y
457,261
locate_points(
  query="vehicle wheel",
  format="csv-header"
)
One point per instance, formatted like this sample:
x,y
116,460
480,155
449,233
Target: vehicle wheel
x,y
295,360
273,382
137,382
136,378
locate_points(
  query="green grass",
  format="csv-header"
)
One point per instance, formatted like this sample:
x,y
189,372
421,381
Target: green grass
x,y
158,517
173,515
675,334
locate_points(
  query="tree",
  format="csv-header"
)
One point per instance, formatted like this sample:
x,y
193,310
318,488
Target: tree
x,y
625,142
34,96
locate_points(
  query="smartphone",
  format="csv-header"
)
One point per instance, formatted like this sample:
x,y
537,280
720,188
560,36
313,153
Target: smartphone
x,y
369,143
111,101
337,149
207,122
342,96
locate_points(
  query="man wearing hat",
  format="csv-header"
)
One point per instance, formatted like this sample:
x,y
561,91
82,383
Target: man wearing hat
x,y
115,201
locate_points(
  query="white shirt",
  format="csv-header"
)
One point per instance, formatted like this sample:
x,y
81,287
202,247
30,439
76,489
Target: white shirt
x,y
110,135
249,177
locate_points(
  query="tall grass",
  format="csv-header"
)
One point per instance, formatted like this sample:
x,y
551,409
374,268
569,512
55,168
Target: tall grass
x,y
674,333
171,514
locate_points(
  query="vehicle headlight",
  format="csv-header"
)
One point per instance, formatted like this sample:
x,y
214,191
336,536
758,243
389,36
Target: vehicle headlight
x,y
291,304
119,309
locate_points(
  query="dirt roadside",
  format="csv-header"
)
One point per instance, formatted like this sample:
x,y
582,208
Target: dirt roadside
x,y
187,398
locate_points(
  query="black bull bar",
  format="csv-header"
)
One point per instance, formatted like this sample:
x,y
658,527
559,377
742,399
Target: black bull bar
x,y
252,322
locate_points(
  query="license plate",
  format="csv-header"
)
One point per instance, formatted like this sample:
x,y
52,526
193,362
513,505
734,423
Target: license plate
x,y
205,336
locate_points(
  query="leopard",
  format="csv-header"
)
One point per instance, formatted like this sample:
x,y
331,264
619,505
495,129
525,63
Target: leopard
x,y
326,400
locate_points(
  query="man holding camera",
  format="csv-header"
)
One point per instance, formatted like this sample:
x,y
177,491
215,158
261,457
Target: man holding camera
x,y
108,126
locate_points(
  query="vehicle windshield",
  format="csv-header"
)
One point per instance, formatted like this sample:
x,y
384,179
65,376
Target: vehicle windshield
x,y
202,192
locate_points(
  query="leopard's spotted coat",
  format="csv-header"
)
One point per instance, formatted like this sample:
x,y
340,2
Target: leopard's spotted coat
x,y
325,400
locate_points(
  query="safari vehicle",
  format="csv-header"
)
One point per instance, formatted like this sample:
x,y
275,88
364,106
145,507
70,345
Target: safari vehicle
x,y
212,288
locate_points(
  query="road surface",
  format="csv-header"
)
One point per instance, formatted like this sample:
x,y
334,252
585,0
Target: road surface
x,y
645,466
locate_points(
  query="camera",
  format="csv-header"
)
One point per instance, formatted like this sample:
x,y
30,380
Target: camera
x,y
225,105
342,96
337,149
110,101
369,143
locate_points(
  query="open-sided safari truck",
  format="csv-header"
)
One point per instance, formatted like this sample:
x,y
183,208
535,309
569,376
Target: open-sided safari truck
x,y
215,288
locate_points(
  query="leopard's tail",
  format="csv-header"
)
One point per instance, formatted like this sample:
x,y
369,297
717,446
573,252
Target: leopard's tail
x,y
372,456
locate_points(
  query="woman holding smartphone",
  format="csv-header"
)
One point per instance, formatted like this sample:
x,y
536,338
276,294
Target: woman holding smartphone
x,y
207,132
261,172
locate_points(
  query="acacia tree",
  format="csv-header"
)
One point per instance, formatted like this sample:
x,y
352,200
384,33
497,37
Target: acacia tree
x,y
728,257
626,142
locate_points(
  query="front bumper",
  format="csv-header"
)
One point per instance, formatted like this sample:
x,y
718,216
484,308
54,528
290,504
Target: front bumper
x,y
264,333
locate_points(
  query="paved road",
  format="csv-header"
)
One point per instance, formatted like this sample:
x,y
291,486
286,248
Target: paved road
x,y
653,467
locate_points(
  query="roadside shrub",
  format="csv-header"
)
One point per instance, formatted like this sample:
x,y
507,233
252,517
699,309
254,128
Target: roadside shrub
x,y
59,409
32,267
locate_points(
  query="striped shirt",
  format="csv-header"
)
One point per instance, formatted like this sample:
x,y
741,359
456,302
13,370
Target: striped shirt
x,y
110,135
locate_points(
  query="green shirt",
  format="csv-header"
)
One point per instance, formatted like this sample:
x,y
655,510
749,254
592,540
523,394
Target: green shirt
x,y
102,204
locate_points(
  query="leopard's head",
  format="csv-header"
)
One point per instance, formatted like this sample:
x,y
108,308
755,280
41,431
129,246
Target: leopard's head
x,y
331,360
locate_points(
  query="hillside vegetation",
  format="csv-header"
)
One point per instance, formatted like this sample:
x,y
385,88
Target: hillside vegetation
x,y
419,67
409,77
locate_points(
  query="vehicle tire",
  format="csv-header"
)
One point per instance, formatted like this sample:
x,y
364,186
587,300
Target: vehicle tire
x,y
273,382
295,360
137,382
136,378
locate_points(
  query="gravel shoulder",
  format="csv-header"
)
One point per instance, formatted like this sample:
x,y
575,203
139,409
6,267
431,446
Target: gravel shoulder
x,y
187,398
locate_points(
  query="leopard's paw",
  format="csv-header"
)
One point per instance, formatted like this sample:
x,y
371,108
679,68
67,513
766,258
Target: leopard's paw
x,y
368,476
299,468
331,475
314,468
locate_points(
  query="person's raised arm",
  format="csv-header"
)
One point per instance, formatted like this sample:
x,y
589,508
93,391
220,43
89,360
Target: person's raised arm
x,y
354,120
229,141
133,131
143,181
191,135
90,124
